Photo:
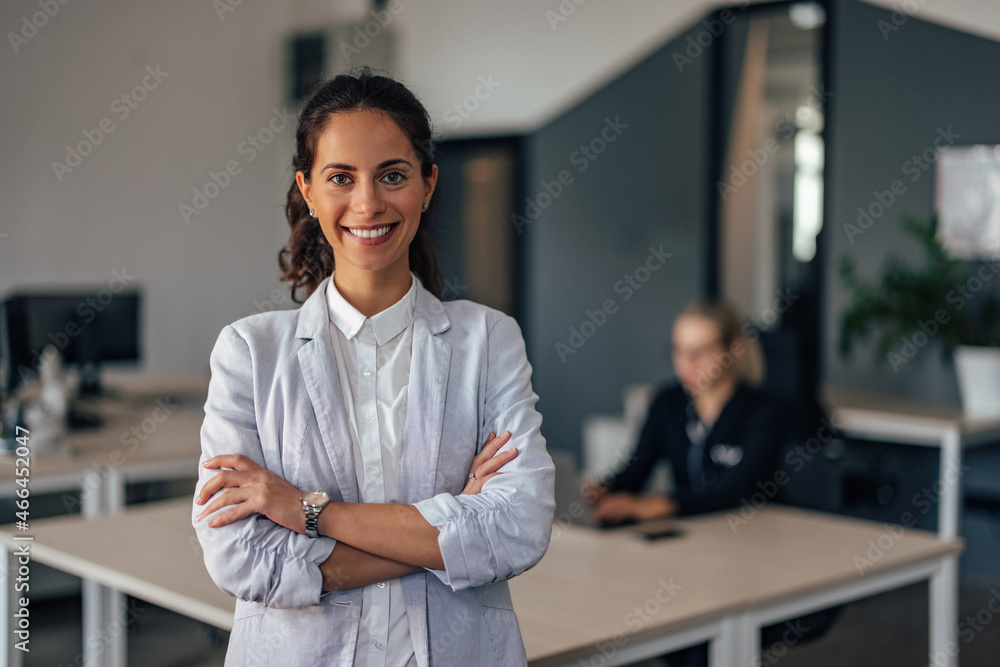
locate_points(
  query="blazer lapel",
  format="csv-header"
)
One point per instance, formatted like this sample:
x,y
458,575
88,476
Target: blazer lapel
x,y
427,390
319,370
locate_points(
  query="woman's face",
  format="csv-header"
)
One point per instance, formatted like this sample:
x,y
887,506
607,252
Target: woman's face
x,y
700,359
367,190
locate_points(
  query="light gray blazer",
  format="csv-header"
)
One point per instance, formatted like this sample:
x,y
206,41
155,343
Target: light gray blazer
x,y
275,397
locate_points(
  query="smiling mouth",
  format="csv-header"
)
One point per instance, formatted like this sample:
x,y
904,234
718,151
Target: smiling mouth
x,y
371,233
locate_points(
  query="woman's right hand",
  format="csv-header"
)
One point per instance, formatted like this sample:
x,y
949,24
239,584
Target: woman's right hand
x,y
621,506
486,464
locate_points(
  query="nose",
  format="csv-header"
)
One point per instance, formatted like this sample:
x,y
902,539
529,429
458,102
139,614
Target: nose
x,y
366,200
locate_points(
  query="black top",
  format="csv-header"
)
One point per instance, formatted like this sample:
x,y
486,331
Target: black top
x,y
728,459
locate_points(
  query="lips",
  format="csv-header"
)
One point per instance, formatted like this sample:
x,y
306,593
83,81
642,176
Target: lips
x,y
372,235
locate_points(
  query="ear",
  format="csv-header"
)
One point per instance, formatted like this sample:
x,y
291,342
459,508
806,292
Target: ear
x,y
430,183
304,187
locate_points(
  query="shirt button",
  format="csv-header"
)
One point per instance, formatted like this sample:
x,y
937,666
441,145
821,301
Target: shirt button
x,y
366,372
370,416
381,584
378,644
374,472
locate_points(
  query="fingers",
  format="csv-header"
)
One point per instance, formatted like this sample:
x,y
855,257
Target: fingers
x,y
211,486
226,478
495,463
231,497
608,512
229,516
493,443
486,464
238,462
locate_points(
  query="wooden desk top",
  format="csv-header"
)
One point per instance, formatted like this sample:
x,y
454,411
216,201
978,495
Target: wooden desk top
x,y
588,587
155,420
592,585
876,415
149,551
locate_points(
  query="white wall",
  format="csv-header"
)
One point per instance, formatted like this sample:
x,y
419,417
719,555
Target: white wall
x,y
120,207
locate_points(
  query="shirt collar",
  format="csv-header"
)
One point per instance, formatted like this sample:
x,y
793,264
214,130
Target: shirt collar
x,y
386,324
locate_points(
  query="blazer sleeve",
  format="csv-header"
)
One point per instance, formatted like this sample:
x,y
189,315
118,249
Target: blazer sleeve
x,y
505,529
252,559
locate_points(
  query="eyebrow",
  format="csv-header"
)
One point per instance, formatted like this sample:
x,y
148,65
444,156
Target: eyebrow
x,y
339,166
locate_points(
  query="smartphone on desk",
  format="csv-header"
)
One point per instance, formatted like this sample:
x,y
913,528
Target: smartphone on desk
x,y
657,529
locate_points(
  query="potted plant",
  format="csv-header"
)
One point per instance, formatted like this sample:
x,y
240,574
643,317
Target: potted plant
x,y
947,300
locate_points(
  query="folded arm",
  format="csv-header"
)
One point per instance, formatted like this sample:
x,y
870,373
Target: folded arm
x,y
255,559
505,529
349,567
398,537
387,540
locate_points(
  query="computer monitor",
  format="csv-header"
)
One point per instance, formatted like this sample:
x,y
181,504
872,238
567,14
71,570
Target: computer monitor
x,y
88,328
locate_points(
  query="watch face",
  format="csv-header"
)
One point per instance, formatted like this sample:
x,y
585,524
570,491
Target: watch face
x,y
316,498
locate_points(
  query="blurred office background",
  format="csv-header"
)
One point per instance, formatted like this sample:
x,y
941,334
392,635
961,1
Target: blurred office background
x,y
735,144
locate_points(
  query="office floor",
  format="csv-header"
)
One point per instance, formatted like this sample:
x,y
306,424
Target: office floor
x,y
886,631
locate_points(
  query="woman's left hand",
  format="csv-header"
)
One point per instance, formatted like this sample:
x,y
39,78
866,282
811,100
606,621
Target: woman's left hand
x,y
487,463
253,490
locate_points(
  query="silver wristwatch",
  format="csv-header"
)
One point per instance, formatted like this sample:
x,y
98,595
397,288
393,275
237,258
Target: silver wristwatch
x,y
313,503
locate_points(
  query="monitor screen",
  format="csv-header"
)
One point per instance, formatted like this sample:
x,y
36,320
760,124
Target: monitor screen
x,y
87,327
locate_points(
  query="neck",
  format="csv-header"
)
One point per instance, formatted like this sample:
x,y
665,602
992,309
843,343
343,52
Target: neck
x,y
371,292
709,402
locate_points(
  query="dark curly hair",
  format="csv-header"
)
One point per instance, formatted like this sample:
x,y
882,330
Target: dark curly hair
x,y
307,259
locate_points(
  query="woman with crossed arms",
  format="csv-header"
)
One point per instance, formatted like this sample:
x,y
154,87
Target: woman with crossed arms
x,y
343,498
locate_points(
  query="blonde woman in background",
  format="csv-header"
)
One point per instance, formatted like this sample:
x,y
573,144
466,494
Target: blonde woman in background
x,y
718,431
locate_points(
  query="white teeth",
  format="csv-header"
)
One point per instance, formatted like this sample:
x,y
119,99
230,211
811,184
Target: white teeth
x,y
370,233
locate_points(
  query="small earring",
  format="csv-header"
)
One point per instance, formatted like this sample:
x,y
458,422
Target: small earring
x,y
312,212
424,207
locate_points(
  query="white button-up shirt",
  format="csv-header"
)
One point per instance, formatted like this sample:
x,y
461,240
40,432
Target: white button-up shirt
x,y
373,357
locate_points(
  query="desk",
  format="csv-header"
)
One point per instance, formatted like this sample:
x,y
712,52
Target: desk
x,y
149,551
709,585
151,432
614,598
166,410
870,416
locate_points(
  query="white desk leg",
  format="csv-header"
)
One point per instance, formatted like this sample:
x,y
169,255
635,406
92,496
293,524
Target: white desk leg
x,y
104,630
104,635
113,491
10,654
93,624
114,602
737,645
943,619
116,629
91,502
949,504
